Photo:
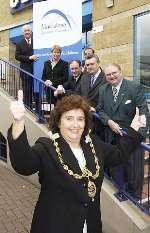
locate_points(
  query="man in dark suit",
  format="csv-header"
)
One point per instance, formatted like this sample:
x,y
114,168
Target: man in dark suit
x,y
118,100
89,88
24,54
55,72
73,82
91,82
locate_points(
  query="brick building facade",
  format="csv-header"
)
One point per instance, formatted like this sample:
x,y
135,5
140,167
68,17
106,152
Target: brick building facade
x,y
115,39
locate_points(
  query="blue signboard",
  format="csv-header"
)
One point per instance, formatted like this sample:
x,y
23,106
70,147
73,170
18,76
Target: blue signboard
x,y
56,23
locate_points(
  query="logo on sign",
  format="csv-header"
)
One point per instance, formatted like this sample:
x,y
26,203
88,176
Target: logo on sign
x,y
55,21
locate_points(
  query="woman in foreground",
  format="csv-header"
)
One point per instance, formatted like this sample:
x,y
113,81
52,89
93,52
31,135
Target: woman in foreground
x,y
70,163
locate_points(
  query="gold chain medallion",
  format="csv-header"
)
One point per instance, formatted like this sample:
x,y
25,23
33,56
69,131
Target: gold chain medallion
x,y
85,173
91,189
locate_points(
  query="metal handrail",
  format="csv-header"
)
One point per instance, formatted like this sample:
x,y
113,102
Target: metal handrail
x,y
143,145
12,78
25,72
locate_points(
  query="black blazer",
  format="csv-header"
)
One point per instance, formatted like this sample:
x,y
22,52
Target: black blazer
x,y
58,75
71,85
85,90
63,203
23,52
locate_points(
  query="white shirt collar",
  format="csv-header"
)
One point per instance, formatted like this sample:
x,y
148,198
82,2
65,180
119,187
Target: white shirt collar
x,y
97,73
95,76
118,86
76,78
28,40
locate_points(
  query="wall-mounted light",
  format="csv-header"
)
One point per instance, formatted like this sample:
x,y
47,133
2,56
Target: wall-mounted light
x,y
109,3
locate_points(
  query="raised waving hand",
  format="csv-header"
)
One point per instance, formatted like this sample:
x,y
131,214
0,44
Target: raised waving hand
x,y
17,107
18,111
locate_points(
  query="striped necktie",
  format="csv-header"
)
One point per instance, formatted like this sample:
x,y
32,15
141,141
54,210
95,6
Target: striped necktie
x,y
115,93
92,80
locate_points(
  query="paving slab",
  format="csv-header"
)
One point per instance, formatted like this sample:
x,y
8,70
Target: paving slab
x,y
17,200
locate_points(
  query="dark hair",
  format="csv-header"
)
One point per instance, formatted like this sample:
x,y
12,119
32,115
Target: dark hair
x,y
93,56
77,61
90,49
68,103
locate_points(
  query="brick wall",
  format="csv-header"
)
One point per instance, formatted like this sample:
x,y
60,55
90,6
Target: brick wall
x,y
7,21
115,42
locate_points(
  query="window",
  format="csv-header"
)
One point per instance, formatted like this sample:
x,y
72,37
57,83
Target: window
x,y
86,40
142,50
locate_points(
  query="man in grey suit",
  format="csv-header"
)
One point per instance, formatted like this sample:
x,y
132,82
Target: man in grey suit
x,y
118,100
89,87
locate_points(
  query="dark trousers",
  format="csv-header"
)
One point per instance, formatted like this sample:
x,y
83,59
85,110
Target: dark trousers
x,y
51,99
134,173
130,175
27,85
98,128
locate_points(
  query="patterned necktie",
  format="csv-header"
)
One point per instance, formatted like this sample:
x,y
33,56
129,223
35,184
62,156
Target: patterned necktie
x,y
92,80
28,42
115,93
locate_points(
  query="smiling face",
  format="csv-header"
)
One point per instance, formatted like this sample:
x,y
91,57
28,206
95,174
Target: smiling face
x,y
27,32
56,54
72,125
113,75
75,69
88,52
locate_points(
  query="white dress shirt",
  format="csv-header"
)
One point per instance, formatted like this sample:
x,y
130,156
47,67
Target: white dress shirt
x,y
117,87
78,153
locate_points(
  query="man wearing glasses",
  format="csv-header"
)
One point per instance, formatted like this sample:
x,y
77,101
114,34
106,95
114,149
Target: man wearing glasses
x,y
118,100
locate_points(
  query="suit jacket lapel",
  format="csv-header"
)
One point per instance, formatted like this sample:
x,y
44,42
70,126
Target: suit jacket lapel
x,y
121,96
87,83
50,64
99,81
72,161
109,97
25,44
69,157
58,64
79,79
89,157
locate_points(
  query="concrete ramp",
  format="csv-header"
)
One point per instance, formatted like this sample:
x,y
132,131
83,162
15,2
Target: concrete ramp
x,y
117,217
